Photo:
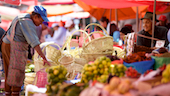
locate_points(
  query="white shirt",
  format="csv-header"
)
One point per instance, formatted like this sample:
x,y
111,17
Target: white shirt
x,y
69,33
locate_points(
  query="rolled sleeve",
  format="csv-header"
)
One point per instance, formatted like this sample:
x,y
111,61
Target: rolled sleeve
x,y
29,31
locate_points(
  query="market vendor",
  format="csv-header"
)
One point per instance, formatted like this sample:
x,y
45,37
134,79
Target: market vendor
x,y
160,32
21,33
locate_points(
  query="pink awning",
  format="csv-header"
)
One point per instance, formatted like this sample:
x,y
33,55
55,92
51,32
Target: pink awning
x,y
9,11
54,10
5,24
15,2
54,2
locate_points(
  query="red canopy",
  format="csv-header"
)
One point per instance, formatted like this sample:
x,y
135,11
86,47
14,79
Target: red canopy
x,y
112,4
54,2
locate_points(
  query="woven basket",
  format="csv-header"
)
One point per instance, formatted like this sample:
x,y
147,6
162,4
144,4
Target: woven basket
x,y
75,69
78,60
38,61
72,67
120,52
52,53
97,47
66,60
76,57
29,79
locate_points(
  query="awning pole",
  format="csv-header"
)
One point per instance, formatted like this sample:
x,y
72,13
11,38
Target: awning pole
x,y
116,17
110,15
137,20
153,24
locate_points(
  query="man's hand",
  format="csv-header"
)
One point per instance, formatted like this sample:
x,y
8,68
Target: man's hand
x,y
45,61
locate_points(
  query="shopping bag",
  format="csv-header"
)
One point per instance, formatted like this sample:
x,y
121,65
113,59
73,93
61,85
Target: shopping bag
x,y
41,78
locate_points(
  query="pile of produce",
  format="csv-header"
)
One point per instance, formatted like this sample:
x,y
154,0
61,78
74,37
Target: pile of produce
x,y
136,57
100,70
166,75
138,48
130,72
118,70
70,89
117,86
56,76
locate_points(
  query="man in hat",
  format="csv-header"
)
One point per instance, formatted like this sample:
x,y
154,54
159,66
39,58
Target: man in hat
x,y
21,33
160,32
163,21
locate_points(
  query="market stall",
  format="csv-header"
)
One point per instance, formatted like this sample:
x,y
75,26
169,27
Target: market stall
x,y
100,69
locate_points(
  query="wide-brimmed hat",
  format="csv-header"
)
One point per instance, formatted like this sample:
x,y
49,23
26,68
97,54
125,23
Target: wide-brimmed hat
x,y
149,15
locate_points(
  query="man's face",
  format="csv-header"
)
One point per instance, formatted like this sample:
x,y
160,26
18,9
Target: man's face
x,y
103,24
37,20
147,24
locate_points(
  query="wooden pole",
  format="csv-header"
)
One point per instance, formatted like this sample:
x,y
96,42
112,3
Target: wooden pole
x,y
153,23
137,20
116,17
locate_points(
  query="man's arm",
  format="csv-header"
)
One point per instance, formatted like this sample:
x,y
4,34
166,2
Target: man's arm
x,y
38,49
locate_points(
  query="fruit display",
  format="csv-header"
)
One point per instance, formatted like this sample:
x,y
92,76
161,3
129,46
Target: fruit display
x,y
117,85
118,70
163,67
147,72
99,70
136,57
65,89
130,72
70,90
56,76
166,74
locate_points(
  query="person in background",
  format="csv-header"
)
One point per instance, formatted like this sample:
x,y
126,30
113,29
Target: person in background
x,y
15,45
125,30
163,21
160,32
55,27
130,27
41,28
45,30
59,36
70,29
105,23
114,31
2,31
